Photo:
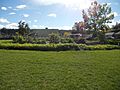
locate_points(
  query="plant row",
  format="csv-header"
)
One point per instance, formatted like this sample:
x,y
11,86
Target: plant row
x,y
56,47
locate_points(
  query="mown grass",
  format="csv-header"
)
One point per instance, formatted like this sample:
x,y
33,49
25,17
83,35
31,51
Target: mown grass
x,y
70,70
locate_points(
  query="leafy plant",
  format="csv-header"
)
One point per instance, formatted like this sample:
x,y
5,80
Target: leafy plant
x,y
54,38
97,18
67,40
19,39
23,28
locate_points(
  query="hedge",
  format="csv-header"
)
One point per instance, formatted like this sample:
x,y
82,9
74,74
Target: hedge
x,y
56,47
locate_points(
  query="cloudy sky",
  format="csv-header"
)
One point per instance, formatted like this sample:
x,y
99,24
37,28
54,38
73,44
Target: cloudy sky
x,y
48,13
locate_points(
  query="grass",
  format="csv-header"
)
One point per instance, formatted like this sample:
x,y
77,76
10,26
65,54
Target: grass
x,y
70,70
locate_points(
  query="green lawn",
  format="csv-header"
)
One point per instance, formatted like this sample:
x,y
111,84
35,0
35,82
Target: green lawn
x,y
70,70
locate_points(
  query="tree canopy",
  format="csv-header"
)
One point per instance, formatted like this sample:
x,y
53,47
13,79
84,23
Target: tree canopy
x,y
97,17
23,28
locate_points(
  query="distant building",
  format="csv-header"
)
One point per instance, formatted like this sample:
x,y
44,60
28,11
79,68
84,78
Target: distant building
x,y
77,35
44,33
117,35
109,35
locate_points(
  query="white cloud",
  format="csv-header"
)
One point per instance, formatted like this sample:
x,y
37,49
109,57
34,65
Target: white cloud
x,y
61,27
118,21
10,7
52,15
38,27
34,27
66,27
29,21
115,14
3,20
4,8
1,26
109,3
26,15
113,23
79,4
51,27
12,25
15,9
35,20
23,20
12,13
21,6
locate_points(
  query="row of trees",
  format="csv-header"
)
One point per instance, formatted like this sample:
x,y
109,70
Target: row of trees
x,y
23,30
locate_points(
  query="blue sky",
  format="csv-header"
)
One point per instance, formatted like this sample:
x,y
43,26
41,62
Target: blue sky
x,y
59,14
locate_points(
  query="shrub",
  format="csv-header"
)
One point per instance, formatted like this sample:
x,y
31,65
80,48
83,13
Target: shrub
x,y
81,40
29,39
54,38
19,39
67,40
57,47
112,41
6,41
102,47
41,41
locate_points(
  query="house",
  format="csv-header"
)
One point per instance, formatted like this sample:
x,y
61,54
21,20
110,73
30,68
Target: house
x,y
109,35
76,35
117,35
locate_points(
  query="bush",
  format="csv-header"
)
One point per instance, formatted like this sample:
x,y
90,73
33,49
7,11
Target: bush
x,y
57,47
102,47
6,41
81,40
54,38
40,41
67,40
29,39
19,39
112,41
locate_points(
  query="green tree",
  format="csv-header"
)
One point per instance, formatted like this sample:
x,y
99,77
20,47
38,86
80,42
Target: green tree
x,y
97,18
23,28
3,31
79,28
54,38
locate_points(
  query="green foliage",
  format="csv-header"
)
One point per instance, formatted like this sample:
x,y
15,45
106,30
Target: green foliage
x,y
19,39
113,41
67,40
40,41
29,39
80,41
71,70
56,47
102,47
23,28
101,36
54,38
7,33
5,41
97,18
22,34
